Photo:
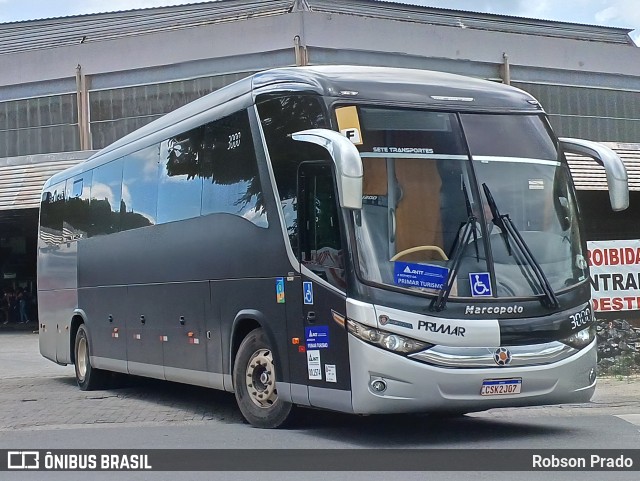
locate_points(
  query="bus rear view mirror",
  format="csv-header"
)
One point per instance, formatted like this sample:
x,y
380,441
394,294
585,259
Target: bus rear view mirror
x,y
617,180
346,159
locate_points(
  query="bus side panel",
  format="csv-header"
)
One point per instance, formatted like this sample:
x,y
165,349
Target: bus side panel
x,y
214,341
319,366
183,331
298,378
48,330
329,341
213,247
258,296
144,331
191,253
106,318
57,298
55,309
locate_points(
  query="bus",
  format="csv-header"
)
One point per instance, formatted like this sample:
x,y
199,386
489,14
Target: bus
x,y
357,239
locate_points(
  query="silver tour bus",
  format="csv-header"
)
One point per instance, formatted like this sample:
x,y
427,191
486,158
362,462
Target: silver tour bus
x,y
364,240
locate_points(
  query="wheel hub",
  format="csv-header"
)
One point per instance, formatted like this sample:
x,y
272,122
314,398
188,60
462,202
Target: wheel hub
x,y
81,360
260,379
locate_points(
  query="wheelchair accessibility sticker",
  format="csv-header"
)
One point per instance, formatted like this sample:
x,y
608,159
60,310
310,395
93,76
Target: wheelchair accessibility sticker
x,y
480,284
307,289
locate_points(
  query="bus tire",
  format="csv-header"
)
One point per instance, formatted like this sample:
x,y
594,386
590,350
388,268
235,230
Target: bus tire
x,y
87,377
255,383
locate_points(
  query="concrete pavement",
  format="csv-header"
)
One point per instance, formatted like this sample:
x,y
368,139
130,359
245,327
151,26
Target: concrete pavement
x,y
36,393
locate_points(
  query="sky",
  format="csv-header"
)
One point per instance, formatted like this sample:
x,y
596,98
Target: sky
x,y
613,13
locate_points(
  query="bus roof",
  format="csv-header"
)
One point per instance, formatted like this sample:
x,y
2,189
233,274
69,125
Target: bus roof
x,y
396,86
401,86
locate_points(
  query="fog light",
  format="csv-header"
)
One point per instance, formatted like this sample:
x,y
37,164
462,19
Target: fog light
x,y
379,386
592,375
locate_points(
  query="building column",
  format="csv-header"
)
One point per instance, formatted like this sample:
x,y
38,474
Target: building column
x,y
82,92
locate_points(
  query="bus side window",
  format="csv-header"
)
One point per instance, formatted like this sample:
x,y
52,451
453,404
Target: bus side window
x,y
106,197
76,215
140,188
180,185
280,117
230,170
320,239
52,210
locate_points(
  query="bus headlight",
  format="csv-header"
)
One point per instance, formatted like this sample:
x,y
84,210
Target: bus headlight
x,y
580,339
386,340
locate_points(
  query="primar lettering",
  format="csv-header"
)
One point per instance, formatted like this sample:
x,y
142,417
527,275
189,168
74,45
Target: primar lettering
x,y
441,328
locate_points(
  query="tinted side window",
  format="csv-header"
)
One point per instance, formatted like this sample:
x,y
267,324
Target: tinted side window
x,y
230,170
140,188
106,198
280,117
180,186
320,228
51,212
77,215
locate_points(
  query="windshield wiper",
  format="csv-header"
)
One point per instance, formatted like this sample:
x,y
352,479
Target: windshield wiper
x,y
463,237
468,229
508,228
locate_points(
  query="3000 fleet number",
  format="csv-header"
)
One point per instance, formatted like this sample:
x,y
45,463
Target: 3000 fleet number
x,y
580,318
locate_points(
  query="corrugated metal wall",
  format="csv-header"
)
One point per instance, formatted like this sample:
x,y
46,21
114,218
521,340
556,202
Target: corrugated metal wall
x,y
600,114
587,175
22,178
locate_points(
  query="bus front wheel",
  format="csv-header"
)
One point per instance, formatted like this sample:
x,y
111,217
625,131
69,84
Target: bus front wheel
x,y
254,381
87,377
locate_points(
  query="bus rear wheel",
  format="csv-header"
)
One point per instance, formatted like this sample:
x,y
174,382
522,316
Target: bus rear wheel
x,y
87,377
254,381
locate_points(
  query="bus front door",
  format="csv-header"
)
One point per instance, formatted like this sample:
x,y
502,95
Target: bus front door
x,y
323,288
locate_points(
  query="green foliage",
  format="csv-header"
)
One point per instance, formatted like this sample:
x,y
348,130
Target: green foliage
x,y
625,365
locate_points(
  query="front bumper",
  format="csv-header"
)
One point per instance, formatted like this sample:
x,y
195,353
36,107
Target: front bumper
x,y
412,386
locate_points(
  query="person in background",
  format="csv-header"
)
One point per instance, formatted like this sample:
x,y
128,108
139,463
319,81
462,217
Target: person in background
x,y
10,306
21,299
4,307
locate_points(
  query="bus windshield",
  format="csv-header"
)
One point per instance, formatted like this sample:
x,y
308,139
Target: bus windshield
x,y
425,209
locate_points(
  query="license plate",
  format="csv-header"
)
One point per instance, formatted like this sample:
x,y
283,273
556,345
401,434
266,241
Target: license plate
x,y
499,387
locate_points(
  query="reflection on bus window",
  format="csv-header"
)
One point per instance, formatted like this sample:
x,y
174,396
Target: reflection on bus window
x,y
320,236
140,188
106,196
210,170
281,117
